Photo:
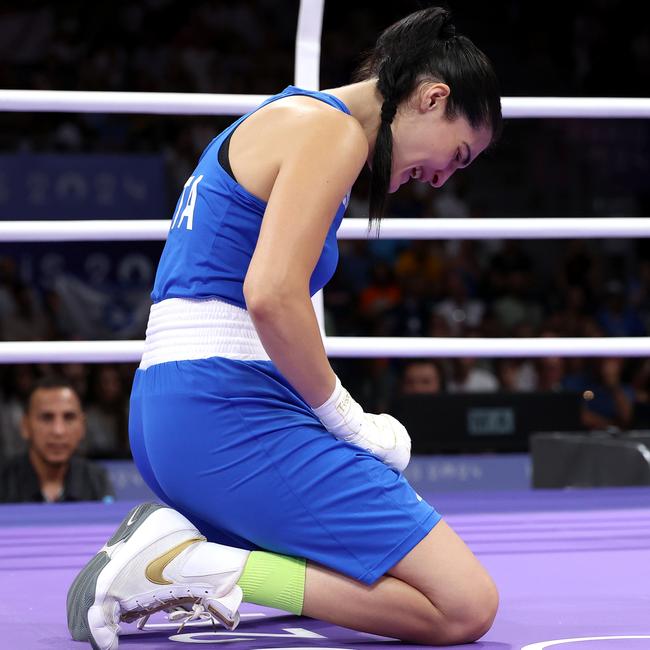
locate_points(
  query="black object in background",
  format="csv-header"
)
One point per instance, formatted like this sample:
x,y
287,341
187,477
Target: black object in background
x,y
478,422
597,459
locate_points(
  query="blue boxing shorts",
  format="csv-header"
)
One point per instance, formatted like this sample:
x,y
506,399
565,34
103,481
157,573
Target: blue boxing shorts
x,y
233,447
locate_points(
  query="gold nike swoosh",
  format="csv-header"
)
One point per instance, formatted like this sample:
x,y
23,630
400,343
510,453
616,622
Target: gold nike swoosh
x,y
154,570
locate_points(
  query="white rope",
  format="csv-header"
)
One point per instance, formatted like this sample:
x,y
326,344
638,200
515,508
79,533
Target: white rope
x,y
357,347
80,101
499,228
583,107
307,60
349,347
70,351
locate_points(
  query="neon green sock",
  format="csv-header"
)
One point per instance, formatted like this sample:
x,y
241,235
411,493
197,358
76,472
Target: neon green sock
x,y
274,581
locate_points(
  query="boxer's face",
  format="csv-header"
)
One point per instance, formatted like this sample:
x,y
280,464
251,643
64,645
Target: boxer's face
x,y
429,147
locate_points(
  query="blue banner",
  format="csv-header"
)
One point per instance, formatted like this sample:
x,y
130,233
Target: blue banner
x,y
82,186
102,288
469,472
427,474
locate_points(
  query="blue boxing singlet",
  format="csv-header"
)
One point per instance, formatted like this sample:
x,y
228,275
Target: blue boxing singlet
x,y
216,224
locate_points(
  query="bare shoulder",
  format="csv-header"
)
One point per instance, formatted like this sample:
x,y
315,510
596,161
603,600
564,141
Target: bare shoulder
x,y
291,129
310,120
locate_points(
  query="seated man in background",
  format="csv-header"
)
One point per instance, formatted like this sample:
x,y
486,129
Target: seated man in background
x,y
53,426
422,377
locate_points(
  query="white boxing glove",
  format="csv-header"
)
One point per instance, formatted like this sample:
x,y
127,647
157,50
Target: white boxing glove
x,y
382,435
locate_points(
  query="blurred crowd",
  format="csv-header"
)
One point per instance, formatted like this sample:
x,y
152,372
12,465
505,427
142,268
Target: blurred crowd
x,y
556,168
543,167
581,288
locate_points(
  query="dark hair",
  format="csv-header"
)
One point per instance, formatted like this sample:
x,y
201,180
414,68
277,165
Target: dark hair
x,y
424,46
47,383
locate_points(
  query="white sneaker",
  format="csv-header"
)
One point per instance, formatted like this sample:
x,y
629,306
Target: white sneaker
x,y
156,560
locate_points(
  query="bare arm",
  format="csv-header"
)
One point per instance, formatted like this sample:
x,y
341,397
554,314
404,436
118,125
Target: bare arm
x,y
321,161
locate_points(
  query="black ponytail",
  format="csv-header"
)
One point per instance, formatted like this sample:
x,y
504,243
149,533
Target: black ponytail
x,y
425,46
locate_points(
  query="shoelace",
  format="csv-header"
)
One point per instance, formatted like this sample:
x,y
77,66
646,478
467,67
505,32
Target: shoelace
x,y
198,613
178,613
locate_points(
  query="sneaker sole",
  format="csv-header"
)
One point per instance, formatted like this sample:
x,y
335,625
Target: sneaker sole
x,y
81,595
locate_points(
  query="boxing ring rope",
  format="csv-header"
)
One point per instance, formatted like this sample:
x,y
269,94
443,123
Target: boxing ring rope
x,y
497,228
351,347
81,101
306,76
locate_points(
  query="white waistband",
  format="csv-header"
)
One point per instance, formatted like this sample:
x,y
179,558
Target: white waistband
x,y
180,329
